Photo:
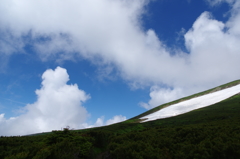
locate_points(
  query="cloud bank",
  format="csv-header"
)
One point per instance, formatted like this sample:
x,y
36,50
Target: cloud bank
x,y
213,58
110,34
58,105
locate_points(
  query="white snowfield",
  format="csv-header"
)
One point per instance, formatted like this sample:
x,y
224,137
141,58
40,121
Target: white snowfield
x,y
192,104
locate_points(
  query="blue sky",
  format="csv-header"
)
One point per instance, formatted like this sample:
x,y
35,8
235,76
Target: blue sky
x,y
87,63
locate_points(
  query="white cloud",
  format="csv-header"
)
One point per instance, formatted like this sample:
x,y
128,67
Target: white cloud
x,y
214,55
9,45
218,2
100,121
234,22
86,25
160,96
116,119
214,52
58,105
110,33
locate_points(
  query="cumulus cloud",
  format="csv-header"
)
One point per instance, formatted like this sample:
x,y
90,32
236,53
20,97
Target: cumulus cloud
x,y
110,33
213,58
214,51
160,96
58,105
116,119
100,121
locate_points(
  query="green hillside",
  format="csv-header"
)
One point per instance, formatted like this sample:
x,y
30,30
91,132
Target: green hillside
x,y
206,133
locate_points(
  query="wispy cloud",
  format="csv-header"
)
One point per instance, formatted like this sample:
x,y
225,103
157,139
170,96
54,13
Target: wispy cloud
x,y
218,2
16,101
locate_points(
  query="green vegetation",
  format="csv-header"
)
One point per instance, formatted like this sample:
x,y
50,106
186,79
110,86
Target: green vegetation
x,y
206,133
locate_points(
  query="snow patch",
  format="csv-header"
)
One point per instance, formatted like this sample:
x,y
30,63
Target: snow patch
x,y
192,104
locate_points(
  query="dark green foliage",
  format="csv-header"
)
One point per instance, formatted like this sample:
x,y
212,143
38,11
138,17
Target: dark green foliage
x,y
182,142
206,133
211,132
58,144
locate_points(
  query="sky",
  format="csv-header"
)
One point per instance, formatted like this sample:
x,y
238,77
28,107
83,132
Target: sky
x,y
88,63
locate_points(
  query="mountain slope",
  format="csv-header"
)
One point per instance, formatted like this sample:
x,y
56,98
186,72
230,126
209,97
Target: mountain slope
x,y
209,132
